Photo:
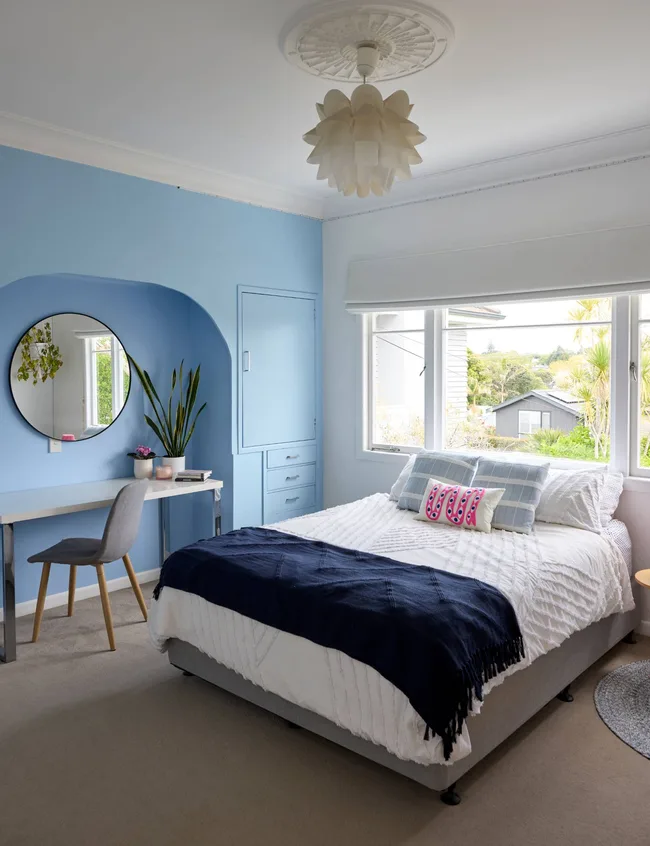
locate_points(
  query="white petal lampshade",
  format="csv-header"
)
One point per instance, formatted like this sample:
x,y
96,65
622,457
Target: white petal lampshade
x,y
361,144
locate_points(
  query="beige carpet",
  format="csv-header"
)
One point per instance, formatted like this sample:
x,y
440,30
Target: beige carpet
x,y
119,749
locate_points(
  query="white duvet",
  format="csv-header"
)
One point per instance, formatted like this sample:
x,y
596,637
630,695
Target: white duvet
x,y
558,579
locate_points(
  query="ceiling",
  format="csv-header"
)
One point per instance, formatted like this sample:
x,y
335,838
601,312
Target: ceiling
x,y
204,82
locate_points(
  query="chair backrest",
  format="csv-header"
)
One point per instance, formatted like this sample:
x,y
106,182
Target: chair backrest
x,y
123,522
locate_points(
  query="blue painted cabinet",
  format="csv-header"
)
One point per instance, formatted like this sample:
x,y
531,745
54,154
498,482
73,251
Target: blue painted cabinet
x,y
278,370
278,384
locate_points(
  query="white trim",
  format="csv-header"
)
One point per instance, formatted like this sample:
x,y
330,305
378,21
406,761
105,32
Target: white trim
x,y
50,140
56,600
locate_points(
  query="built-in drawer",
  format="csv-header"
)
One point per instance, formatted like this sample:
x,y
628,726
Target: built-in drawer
x,y
278,517
290,477
281,501
290,455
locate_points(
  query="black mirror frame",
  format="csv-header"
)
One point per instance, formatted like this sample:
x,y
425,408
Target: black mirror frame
x,y
11,390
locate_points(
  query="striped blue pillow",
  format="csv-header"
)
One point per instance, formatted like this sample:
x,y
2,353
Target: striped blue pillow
x,y
523,484
451,467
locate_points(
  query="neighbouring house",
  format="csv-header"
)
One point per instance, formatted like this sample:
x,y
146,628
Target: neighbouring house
x,y
521,416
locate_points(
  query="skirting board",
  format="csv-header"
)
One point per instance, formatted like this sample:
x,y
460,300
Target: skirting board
x,y
55,600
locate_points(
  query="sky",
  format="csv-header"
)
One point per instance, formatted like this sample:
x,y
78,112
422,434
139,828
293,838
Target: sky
x,y
532,339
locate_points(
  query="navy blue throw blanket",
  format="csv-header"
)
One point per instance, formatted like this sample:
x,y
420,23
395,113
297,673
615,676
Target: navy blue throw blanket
x,y
436,636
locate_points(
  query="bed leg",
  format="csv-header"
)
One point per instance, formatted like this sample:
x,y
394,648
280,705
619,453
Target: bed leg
x,y
630,637
565,695
187,673
450,796
291,725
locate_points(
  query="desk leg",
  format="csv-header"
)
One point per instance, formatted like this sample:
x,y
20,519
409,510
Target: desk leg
x,y
8,651
216,505
163,508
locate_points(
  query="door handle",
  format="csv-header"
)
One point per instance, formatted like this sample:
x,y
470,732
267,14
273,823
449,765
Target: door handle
x,y
246,361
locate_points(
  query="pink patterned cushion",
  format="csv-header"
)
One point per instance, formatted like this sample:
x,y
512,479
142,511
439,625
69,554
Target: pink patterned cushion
x,y
456,505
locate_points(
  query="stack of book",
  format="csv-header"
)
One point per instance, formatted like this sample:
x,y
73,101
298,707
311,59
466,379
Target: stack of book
x,y
193,475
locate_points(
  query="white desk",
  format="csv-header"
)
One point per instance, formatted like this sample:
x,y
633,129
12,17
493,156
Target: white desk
x,y
18,506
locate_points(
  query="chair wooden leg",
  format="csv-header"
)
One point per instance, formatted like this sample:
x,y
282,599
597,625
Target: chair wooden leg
x,y
106,605
40,603
72,584
134,584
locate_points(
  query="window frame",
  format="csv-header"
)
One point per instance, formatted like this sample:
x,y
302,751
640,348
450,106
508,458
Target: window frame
x,y
118,398
625,418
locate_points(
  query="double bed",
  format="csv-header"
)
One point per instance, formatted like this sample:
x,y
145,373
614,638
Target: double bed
x,y
570,589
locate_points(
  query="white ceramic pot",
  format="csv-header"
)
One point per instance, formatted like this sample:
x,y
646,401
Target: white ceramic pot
x,y
177,463
143,468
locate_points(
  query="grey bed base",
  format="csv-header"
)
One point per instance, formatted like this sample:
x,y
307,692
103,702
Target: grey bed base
x,y
506,708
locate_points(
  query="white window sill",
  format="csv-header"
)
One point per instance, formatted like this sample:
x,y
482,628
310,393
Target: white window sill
x,y
641,484
386,457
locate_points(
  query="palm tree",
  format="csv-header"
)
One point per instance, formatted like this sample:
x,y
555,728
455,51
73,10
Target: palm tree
x,y
590,383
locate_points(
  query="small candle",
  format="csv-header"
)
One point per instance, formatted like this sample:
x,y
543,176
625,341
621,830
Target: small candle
x,y
163,472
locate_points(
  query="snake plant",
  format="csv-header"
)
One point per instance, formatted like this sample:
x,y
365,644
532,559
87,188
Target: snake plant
x,y
172,425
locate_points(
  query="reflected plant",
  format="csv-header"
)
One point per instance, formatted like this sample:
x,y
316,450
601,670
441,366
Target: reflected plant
x,y
40,357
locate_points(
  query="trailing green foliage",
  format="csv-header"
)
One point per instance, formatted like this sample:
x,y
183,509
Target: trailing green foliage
x,y
172,426
47,361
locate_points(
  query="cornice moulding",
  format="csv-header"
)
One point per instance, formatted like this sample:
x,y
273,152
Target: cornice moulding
x,y
49,140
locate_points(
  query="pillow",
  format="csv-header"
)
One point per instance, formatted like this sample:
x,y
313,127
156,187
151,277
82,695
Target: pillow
x,y
455,505
573,498
450,467
523,485
612,490
398,487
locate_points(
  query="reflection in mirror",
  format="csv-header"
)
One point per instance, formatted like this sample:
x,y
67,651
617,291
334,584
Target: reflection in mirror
x,y
70,376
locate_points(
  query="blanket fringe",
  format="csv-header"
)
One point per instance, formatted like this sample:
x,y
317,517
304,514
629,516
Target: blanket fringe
x,y
481,667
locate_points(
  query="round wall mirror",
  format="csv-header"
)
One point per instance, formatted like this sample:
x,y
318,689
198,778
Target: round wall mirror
x,y
70,376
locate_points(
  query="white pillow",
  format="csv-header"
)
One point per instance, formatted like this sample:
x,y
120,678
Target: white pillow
x,y
398,487
456,505
572,498
612,490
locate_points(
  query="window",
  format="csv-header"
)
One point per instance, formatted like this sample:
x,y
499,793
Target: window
x,y
505,364
106,379
551,378
396,380
533,421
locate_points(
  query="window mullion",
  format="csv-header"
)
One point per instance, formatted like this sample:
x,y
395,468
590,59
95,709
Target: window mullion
x,y
430,363
620,384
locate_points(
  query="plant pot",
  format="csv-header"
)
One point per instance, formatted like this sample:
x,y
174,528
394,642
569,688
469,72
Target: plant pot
x,y
143,468
176,462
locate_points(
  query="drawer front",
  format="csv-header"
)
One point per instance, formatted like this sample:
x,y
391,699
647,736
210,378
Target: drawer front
x,y
291,477
280,502
290,455
276,517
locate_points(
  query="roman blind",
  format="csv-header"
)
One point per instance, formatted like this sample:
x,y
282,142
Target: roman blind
x,y
605,262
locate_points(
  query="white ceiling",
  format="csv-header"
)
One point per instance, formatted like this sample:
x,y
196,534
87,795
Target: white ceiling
x,y
205,82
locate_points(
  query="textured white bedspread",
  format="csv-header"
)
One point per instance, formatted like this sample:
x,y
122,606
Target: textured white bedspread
x,y
558,579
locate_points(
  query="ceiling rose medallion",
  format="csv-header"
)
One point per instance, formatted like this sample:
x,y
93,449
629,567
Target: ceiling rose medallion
x,y
362,143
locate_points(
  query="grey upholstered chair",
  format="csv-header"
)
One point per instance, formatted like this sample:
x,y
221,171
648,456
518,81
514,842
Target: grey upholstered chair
x,y
119,535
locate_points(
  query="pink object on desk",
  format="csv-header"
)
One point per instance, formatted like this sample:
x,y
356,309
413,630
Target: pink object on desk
x,y
68,438
163,472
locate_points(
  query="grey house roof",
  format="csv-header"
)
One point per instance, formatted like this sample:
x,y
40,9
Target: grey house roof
x,y
559,399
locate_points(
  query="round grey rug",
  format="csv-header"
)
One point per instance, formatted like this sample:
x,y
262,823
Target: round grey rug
x,y
623,701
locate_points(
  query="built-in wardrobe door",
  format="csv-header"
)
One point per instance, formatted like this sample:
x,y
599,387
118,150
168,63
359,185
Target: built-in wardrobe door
x,y
278,369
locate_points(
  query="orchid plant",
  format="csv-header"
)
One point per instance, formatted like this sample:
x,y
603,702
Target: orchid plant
x,y
142,453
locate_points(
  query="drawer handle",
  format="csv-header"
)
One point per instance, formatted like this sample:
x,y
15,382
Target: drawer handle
x,y
292,478
292,499
292,457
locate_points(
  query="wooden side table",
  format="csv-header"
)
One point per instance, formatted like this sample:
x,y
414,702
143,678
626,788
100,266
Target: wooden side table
x,y
643,578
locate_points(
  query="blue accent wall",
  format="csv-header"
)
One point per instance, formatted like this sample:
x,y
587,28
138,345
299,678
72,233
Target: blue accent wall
x,y
76,238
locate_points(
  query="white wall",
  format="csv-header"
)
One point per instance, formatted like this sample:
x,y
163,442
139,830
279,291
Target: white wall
x,y
588,200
